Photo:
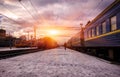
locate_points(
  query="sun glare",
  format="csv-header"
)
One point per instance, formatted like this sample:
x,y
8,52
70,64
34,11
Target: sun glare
x,y
53,32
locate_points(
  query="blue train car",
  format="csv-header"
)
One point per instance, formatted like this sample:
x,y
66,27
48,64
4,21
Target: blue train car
x,y
102,35
74,42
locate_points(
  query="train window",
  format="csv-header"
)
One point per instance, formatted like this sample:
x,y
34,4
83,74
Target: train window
x,y
104,27
93,32
113,23
97,30
90,34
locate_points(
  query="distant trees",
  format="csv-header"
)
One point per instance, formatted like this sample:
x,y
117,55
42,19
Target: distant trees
x,y
46,43
23,42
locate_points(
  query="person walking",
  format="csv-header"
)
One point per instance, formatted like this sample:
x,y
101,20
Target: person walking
x,y
65,45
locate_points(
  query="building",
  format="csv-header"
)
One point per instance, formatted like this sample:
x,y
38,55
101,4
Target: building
x,y
2,33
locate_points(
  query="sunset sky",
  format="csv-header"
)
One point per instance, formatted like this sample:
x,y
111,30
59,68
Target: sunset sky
x,y
59,19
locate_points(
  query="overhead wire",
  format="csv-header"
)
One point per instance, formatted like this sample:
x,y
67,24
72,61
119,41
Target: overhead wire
x,y
11,19
35,10
20,1
92,11
97,6
11,13
8,9
27,10
33,7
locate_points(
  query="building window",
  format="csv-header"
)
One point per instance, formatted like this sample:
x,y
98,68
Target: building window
x,y
97,30
113,23
104,27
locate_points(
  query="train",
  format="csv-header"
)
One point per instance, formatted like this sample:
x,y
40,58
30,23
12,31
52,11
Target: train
x,y
101,36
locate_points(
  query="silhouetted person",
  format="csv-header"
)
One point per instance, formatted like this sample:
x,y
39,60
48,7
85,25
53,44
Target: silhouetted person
x,y
65,46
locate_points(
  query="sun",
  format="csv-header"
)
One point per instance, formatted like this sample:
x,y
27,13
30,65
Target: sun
x,y
53,32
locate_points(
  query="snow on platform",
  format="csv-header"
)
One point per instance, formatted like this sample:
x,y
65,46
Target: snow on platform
x,y
8,49
57,63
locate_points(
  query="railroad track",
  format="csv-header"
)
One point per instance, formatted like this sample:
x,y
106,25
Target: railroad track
x,y
13,53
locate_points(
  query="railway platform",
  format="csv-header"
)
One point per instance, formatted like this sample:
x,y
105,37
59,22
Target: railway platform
x,y
3,49
57,62
7,52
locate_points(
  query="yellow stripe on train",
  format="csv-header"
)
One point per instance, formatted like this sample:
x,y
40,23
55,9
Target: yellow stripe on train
x,y
106,34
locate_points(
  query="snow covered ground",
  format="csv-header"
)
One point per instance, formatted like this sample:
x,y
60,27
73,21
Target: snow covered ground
x,y
57,63
8,49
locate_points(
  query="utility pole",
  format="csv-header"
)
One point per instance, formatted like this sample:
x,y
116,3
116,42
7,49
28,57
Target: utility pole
x,y
81,35
35,35
10,41
35,32
31,40
28,35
